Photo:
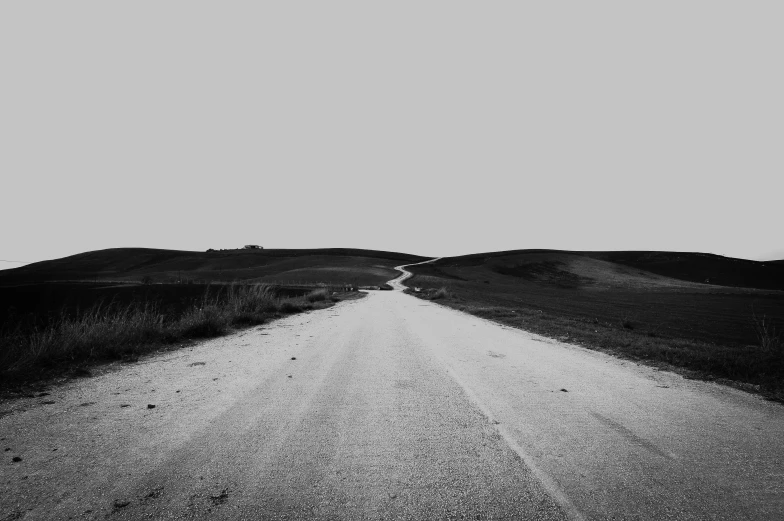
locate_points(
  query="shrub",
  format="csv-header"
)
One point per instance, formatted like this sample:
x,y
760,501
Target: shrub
x,y
288,306
205,322
440,293
318,295
769,339
253,300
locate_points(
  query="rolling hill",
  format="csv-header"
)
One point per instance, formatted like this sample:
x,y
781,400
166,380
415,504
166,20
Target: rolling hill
x,y
663,293
622,268
331,266
715,316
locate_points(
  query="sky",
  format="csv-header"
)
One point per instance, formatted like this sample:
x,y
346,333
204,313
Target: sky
x,y
433,128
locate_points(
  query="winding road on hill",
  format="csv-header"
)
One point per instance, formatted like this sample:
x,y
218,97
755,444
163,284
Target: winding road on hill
x,y
390,407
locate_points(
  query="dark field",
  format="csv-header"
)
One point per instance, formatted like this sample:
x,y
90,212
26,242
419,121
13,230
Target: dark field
x,y
40,304
704,268
713,330
49,330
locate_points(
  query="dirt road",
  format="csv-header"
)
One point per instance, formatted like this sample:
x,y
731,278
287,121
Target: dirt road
x,y
390,408
397,283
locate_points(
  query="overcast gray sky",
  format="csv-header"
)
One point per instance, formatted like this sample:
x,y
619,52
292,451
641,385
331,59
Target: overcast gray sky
x,y
436,128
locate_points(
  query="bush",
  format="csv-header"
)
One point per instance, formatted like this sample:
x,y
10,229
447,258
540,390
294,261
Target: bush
x,y
318,295
251,300
288,306
205,322
440,293
769,340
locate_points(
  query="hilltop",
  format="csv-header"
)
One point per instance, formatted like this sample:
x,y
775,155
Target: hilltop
x,y
598,269
331,265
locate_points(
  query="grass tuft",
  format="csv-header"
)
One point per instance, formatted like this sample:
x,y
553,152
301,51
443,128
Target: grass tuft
x,y
318,295
769,339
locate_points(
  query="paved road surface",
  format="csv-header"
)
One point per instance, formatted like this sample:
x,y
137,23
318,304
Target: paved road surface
x,y
394,408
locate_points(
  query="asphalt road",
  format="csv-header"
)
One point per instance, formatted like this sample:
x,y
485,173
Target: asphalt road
x,y
394,408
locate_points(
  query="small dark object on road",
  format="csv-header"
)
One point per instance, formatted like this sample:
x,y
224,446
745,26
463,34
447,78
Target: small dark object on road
x,y
86,404
47,402
121,503
125,405
154,493
220,498
150,406
7,449
16,459
293,357
564,391
289,376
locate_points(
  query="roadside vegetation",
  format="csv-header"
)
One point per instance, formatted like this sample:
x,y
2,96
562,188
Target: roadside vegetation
x,y
730,335
105,332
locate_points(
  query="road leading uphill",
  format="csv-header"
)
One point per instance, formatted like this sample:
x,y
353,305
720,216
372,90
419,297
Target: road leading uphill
x,y
390,408
397,283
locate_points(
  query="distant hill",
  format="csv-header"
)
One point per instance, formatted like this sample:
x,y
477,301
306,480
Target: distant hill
x,y
619,268
332,265
703,267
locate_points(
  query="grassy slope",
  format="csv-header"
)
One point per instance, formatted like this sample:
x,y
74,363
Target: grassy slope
x,y
128,330
690,267
620,307
331,266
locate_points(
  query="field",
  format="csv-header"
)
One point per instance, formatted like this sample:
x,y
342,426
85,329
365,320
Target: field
x,y
59,315
328,266
613,301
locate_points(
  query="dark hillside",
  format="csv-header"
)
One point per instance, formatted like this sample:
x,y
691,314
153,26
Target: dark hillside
x,y
334,266
703,268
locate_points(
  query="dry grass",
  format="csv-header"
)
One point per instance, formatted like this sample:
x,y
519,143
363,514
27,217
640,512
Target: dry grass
x,y
116,332
318,295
